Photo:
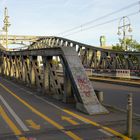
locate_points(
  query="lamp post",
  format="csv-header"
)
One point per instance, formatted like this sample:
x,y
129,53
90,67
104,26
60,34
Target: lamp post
x,y
124,26
6,24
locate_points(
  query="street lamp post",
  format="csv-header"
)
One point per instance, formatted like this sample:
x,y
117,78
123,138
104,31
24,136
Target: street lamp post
x,y
6,24
126,26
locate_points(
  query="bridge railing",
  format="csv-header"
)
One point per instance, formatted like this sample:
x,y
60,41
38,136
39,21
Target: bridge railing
x,y
94,57
26,66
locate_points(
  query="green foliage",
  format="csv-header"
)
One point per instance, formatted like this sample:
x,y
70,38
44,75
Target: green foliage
x,y
117,47
132,45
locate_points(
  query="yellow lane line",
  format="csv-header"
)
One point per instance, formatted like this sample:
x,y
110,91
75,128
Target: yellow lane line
x,y
13,127
83,119
33,124
68,119
96,124
58,126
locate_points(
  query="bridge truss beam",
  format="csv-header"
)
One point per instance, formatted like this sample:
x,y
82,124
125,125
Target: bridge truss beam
x,y
36,68
94,57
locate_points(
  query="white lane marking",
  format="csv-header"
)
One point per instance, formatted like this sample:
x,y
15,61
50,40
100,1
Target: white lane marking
x,y
59,108
17,119
105,132
101,130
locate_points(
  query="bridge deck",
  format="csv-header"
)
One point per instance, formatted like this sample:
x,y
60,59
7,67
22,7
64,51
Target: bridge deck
x,y
26,115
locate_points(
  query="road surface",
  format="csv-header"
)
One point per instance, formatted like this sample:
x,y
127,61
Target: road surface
x,y
26,116
116,95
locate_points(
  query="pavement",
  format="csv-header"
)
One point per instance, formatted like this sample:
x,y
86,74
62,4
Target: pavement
x,y
119,81
117,95
26,116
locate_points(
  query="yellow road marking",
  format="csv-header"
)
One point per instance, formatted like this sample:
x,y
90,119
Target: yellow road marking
x,y
72,114
58,126
33,124
75,137
13,127
96,124
69,120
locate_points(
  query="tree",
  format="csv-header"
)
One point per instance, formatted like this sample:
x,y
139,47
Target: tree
x,y
117,47
132,45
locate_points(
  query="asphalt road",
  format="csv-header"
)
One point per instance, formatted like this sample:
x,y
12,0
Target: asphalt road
x,y
116,95
26,116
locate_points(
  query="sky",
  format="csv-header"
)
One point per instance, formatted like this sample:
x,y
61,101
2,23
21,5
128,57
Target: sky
x,y
52,17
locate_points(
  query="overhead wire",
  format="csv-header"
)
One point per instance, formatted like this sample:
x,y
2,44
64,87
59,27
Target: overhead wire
x,y
100,24
100,18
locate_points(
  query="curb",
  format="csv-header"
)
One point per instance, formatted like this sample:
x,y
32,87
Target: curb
x,y
116,81
119,109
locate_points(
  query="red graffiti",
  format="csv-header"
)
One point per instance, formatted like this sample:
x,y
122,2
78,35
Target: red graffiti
x,y
82,81
87,93
84,87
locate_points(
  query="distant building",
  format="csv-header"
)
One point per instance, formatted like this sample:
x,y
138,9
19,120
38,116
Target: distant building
x,y
103,43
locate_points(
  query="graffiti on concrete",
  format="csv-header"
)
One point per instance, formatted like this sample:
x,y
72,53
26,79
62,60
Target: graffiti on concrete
x,y
83,85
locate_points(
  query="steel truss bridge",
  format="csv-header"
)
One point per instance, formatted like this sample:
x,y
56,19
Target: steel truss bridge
x,y
19,39
35,66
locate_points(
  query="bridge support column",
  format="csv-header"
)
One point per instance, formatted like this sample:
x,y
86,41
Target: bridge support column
x,y
11,67
8,67
126,63
46,77
95,59
36,72
86,99
4,66
23,70
67,97
17,69
58,93
1,65
26,71
32,74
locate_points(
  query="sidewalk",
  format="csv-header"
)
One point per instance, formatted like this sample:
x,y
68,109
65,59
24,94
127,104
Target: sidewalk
x,y
116,81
